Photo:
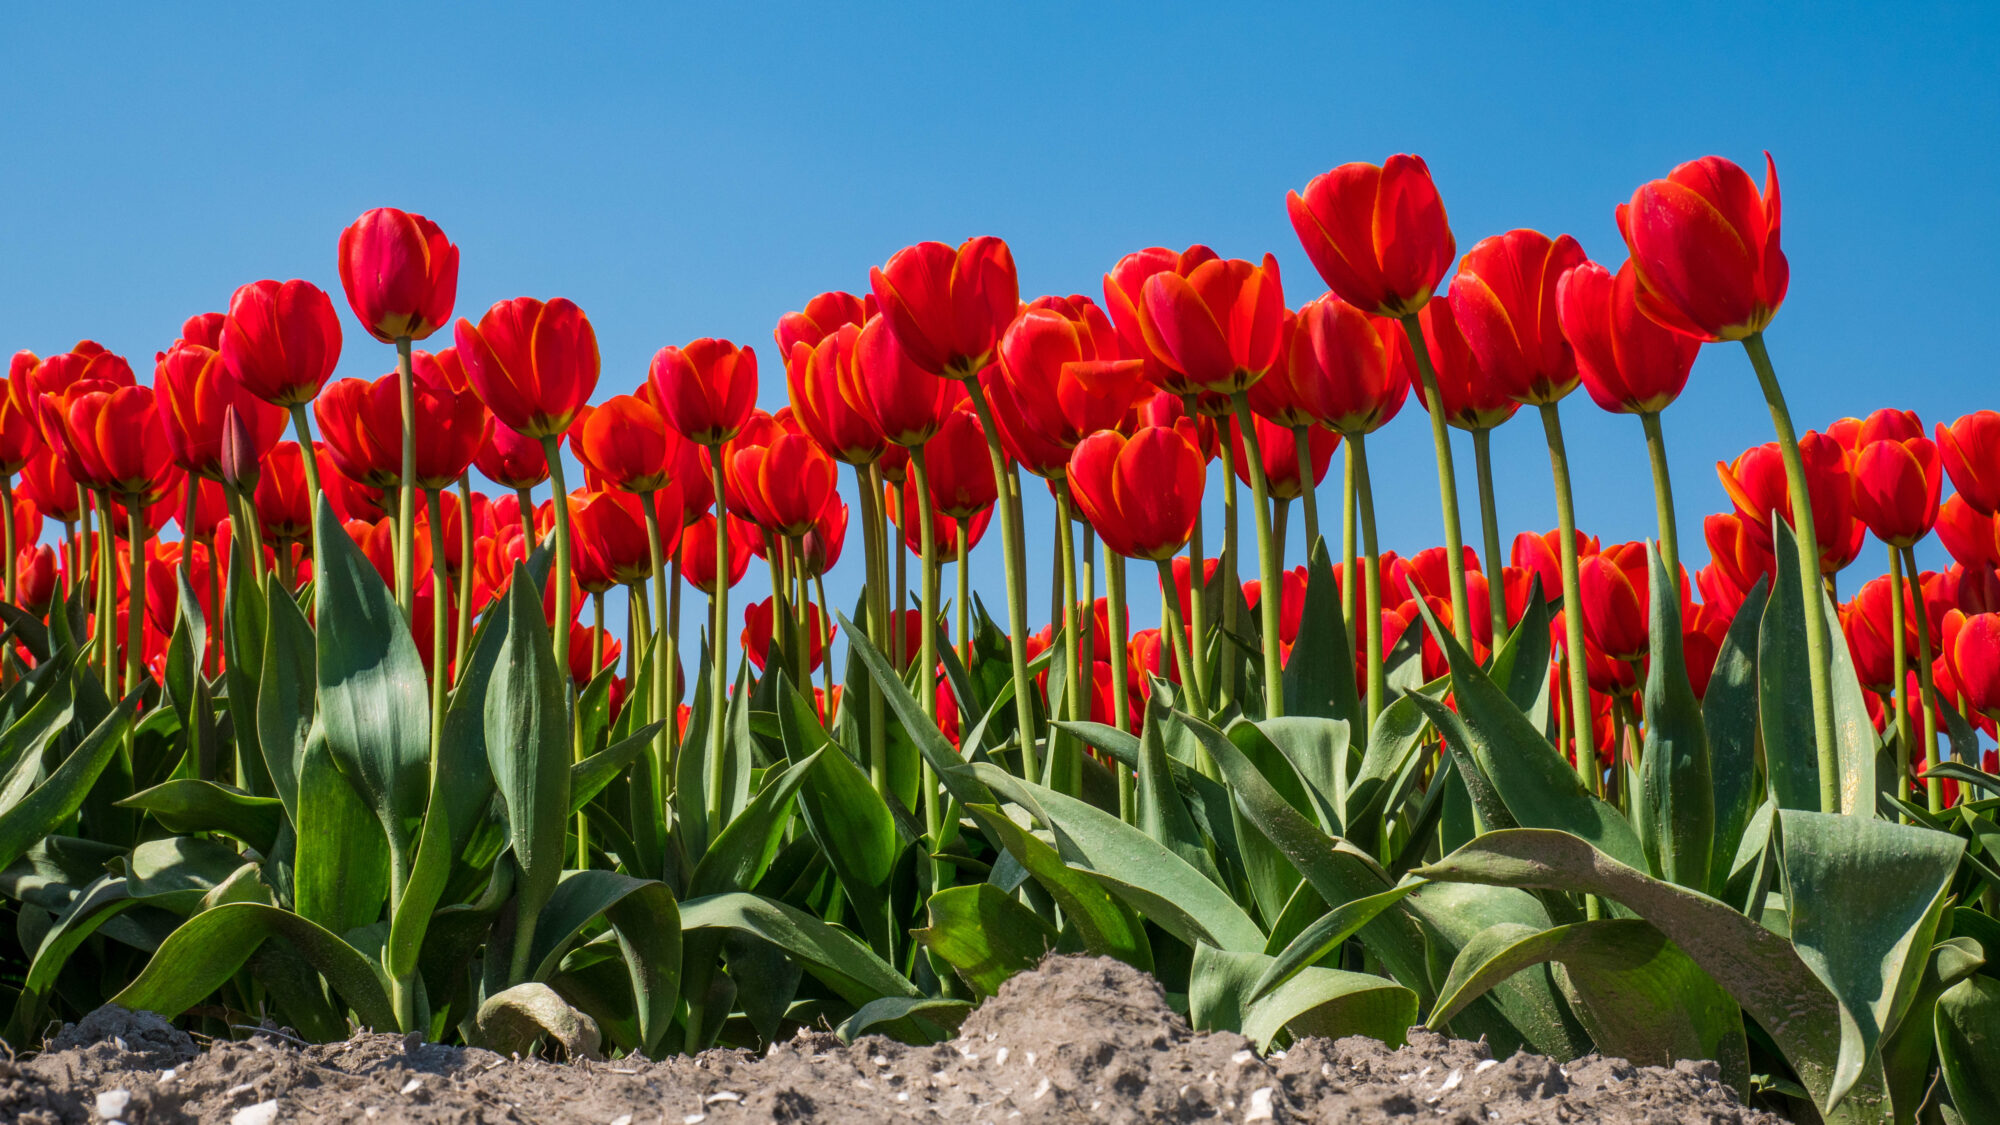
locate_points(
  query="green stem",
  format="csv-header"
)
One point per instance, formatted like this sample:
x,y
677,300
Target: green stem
x,y
596,632
1900,690
1579,677
1068,769
1281,519
1308,491
466,549
718,690
672,671
565,616
1454,542
1489,525
1170,624
1663,494
1197,669
1121,682
136,536
869,487
525,501
963,602
107,593
440,600
1232,586
1267,557
782,629
826,663
308,455
1349,588
1817,643
920,479
7,510
1365,500
1933,784
663,640
406,496
1017,596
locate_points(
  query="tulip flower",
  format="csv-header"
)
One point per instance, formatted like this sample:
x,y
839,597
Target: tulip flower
x,y
1970,450
1281,463
698,553
533,363
624,442
1377,235
280,343
961,484
1218,329
1871,622
511,459
1756,485
1705,244
948,306
193,387
706,390
1976,654
400,273
362,423
1140,493
824,315
36,575
1896,488
282,500
88,364
1064,365
794,483
1614,608
759,619
611,546
815,374
906,403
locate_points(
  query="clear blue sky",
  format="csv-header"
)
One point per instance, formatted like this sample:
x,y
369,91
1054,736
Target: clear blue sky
x,y
682,172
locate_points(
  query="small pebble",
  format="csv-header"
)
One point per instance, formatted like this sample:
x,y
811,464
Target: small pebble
x,y
622,1119
1240,1057
1260,1105
1000,1056
112,1103
412,1086
263,1113
722,1096
1483,1067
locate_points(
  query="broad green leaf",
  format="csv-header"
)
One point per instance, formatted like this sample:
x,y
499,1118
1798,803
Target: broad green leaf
x,y
1968,1046
1675,809
1526,1009
341,873
738,857
647,922
589,777
1864,896
176,872
1163,815
1729,716
374,705
509,1022
830,954
1521,663
528,746
208,949
244,624
856,831
1106,925
99,903
285,695
1909,1049
1759,968
57,799
1318,751
1324,936
1318,683
1786,712
1642,998
1394,743
191,805
1325,1002
985,934
920,1021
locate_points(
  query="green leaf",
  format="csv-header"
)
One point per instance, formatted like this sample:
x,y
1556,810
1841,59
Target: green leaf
x,y
1317,679
1864,896
1324,936
1786,713
177,872
920,1021
1318,751
56,800
285,695
1324,1002
1526,1009
1729,716
244,624
985,934
1676,806
341,871
1393,745
1521,664
830,954
738,857
99,903
208,948
374,706
589,777
910,716
1163,815
1968,1046
528,745
1908,1050
1642,998
192,805
854,828
1106,925
647,922
1759,968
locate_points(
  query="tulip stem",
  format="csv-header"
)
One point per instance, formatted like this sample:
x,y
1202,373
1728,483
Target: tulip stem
x,y
1357,444
406,496
1933,784
107,609
1308,491
1017,595
7,505
868,487
961,531
1573,644
670,668
1232,587
1454,542
1489,526
920,479
1170,624
1900,691
525,501
822,620
440,603
308,455
1281,520
718,691
466,551
1121,674
1086,601
663,639
1067,772
899,635
1349,588
1197,570
596,633
1809,571
1267,557
1663,493
783,629
136,536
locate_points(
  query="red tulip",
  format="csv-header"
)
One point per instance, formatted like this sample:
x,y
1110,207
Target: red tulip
x,y
1020,439
820,547
1705,246
281,340
1349,370
815,374
362,422
87,366
1868,624
698,552
400,273
706,390
1629,364
211,508
947,307
117,438
1471,399
1969,536
624,442
534,364
1976,656
20,432
1504,300
900,501
204,329
1614,605
1123,292
757,629
907,403
1064,365
1165,409
1220,328
1281,457
351,499
1142,494
582,640
1377,235
510,460
609,547
1291,602
960,470
1896,487
284,506
193,389
45,479
1756,485
794,483
823,316
35,577
1970,449
441,368
1537,554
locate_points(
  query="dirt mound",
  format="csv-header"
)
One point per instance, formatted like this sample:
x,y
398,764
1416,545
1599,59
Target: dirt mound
x,y
1079,1039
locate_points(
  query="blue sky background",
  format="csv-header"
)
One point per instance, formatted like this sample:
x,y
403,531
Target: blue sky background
x,y
682,172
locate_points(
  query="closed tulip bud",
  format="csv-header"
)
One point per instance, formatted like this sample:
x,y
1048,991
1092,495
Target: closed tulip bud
x,y
906,402
362,423
1970,450
1142,494
1377,235
1628,363
533,363
240,452
624,441
1896,488
1705,245
1220,328
509,459
706,390
1281,459
814,374
400,273
820,547
204,329
1348,370
948,306
1504,300
281,340
961,474
1471,399
698,552
1976,655
35,579
195,392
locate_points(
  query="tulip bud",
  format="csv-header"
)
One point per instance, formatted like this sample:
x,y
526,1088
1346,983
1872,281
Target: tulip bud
x,y
239,452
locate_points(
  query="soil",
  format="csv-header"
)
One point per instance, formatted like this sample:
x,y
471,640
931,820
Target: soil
x,y
1079,1039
